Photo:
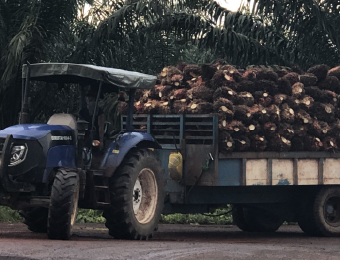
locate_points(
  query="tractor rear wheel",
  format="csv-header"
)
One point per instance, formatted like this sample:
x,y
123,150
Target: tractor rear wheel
x,y
63,206
137,196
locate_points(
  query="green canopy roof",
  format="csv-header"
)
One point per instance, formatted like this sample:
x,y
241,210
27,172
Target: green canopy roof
x,y
88,74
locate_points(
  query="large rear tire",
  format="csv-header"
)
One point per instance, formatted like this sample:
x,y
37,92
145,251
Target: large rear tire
x,y
260,220
239,218
63,206
306,219
251,219
137,196
35,219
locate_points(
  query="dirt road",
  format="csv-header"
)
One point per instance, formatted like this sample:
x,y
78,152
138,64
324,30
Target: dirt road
x,y
188,242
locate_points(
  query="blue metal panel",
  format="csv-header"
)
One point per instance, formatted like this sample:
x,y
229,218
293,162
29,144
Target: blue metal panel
x,y
31,131
229,172
61,156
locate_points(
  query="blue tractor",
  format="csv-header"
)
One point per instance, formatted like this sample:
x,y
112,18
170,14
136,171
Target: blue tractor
x,y
46,171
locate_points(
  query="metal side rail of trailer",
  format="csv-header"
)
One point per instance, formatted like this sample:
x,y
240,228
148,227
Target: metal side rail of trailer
x,y
238,177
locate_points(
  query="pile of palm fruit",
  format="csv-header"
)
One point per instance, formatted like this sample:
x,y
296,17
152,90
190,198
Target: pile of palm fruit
x,y
259,109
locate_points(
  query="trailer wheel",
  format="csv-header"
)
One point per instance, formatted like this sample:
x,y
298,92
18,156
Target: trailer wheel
x,y
63,206
35,219
260,220
137,196
305,216
239,219
326,211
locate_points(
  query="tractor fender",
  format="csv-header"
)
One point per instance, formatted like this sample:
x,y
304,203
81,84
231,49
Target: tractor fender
x,y
60,156
118,149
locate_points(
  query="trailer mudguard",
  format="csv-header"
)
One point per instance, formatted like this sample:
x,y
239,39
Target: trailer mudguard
x,y
60,156
117,150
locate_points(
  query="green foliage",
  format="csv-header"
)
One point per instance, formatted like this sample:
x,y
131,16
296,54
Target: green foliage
x,y
9,215
109,104
83,216
310,29
193,54
221,216
33,31
48,99
147,35
90,216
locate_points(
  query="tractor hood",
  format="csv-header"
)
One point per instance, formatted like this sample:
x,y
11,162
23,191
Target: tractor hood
x,y
31,131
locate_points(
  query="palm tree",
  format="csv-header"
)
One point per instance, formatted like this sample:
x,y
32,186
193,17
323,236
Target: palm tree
x,y
34,31
156,33
146,35
270,32
310,27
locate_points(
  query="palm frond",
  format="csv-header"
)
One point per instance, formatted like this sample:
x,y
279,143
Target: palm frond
x,y
316,21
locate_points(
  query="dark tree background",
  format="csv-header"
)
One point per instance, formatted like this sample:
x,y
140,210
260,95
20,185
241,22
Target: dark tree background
x,y
146,35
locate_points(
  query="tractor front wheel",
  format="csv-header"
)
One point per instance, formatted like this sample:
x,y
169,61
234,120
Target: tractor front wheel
x,y
63,206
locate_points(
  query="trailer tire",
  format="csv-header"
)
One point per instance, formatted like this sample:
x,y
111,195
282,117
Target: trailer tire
x,y
35,218
326,211
137,196
260,220
239,218
63,206
306,217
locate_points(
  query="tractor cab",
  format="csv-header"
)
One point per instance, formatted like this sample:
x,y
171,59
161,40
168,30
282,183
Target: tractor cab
x,y
84,75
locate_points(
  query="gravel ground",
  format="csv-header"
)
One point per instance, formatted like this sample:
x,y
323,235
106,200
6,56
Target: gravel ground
x,y
91,241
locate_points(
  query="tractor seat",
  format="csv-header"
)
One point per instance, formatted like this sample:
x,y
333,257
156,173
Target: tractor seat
x,y
63,119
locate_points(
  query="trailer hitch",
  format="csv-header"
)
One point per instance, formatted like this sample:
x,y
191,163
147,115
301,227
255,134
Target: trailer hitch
x,y
207,163
204,168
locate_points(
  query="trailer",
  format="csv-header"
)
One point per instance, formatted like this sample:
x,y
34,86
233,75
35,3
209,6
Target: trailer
x,y
264,188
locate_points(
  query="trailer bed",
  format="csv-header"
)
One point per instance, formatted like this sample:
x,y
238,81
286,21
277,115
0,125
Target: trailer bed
x,y
195,136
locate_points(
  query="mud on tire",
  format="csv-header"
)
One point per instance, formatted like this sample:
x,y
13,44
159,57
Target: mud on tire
x,y
63,205
137,196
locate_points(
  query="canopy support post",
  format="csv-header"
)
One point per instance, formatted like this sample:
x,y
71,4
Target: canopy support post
x,y
24,118
129,118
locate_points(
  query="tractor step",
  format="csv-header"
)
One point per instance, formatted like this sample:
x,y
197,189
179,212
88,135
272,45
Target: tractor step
x,y
101,188
103,204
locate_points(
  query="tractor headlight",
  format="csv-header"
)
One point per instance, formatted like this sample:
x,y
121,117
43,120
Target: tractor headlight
x,y
18,154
